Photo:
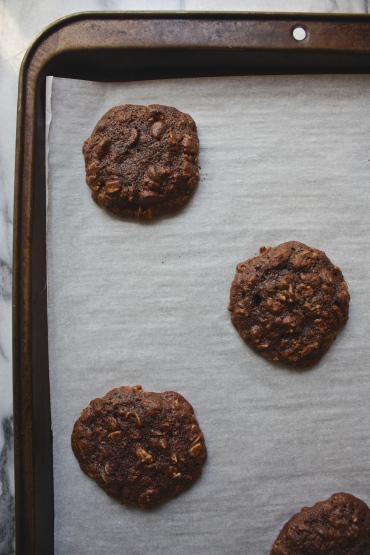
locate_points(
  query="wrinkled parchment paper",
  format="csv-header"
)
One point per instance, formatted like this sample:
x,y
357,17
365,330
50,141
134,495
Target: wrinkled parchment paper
x,y
281,158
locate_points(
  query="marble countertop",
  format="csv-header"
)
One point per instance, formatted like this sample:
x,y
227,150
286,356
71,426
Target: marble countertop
x,y
20,22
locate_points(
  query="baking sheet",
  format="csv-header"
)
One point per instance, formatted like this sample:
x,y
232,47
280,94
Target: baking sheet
x,y
128,303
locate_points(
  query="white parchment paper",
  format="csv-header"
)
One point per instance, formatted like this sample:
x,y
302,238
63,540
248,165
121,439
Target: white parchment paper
x,y
281,158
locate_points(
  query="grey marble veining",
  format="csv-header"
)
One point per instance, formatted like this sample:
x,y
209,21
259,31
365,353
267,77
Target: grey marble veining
x,y
20,22
318,6
7,490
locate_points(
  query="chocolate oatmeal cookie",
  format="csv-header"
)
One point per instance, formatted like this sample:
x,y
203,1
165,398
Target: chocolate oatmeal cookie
x,y
338,526
142,448
289,303
142,161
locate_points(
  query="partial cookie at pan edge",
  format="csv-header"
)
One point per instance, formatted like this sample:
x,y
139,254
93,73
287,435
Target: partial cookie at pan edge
x,y
142,161
289,303
339,525
141,447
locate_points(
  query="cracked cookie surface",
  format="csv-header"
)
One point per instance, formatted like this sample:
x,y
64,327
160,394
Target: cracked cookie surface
x,y
289,303
339,525
142,161
141,447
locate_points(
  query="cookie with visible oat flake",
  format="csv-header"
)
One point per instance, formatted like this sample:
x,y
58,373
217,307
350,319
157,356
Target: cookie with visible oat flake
x,y
339,525
289,303
142,448
142,161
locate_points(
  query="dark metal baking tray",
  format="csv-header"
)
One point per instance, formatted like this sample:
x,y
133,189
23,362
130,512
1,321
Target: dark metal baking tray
x,y
123,47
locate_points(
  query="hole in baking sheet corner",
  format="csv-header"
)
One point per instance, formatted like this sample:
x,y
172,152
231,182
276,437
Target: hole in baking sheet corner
x,y
299,33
